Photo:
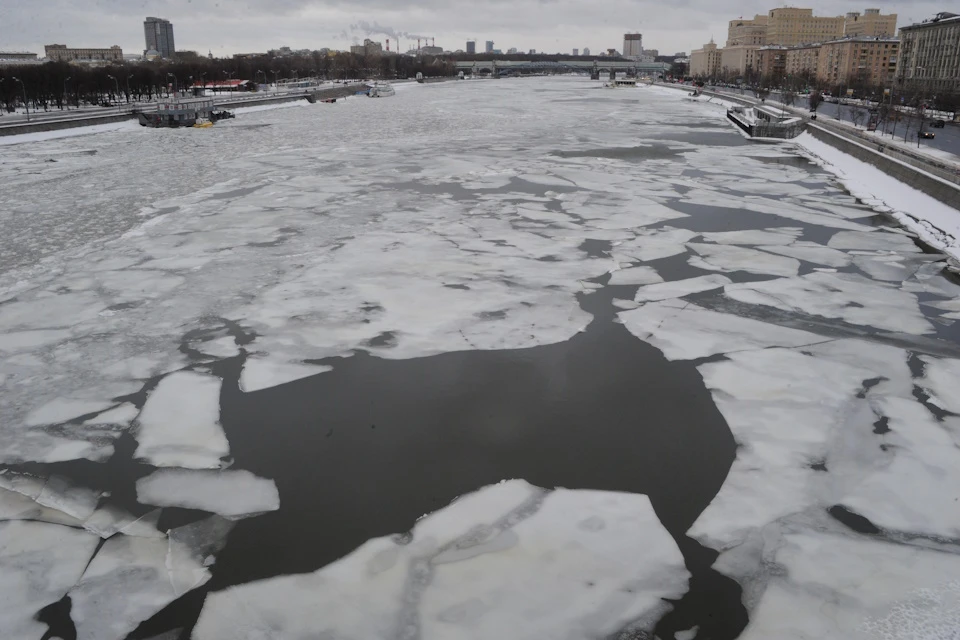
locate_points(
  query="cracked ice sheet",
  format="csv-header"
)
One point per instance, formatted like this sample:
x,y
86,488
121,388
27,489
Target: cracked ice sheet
x,y
915,488
132,578
684,331
680,288
39,562
180,423
789,410
840,587
811,252
774,236
845,296
732,258
476,569
942,378
233,494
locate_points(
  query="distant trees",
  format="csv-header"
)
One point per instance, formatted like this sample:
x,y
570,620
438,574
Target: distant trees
x,y
58,85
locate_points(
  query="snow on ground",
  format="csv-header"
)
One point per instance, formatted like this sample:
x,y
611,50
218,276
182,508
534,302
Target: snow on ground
x,y
934,221
510,560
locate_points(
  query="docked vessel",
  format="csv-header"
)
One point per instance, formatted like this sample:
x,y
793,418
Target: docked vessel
x,y
190,112
621,83
381,90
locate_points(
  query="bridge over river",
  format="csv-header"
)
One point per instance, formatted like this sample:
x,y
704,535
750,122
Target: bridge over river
x,y
593,67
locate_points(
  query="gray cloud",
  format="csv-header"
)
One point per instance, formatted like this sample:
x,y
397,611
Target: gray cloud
x,y
230,26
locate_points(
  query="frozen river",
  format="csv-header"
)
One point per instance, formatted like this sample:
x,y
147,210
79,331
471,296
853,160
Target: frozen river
x,y
484,360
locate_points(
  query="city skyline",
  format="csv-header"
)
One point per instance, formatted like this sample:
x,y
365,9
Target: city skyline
x,y
560,26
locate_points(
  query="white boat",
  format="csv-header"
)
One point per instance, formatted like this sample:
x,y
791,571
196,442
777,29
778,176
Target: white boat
x,y
381,90
620,83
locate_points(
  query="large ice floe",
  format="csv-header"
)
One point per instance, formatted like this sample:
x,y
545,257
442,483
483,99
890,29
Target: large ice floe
x,y
133,309
509,560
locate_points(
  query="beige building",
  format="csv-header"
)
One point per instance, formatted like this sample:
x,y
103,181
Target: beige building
x,y
802,59
60,53
791,26
734,61
871,23
930,55
705,62
858,61
747,32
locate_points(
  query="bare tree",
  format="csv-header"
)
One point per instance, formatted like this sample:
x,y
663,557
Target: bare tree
x,y
857,115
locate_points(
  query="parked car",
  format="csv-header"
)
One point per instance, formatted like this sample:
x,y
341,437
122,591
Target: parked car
x,y
927,135
938,124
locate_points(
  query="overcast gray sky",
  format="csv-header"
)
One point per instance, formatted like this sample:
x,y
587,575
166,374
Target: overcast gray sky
x,y
226,27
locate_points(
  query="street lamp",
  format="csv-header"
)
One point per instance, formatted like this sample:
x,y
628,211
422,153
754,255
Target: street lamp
x,y
65,101
920,108
26,105
257,75
128,87
117,85
176,86
276,83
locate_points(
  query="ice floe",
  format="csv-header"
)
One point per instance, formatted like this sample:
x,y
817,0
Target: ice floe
x,y
733,258
837,587
680,288
844,296
684,331
942,377
774,236
811,252
635,275
131,578
259,373
587,563
39,563
232,494
180,423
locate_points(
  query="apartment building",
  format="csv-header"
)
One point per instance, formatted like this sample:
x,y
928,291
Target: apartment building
x,y
870,23
802,59
930,55
858,61
772,61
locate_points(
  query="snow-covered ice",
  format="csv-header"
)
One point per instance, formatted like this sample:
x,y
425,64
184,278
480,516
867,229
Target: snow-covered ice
x,y
734,258
39,562
232,494
180,423
131,578
508,560
843,296
680,288
684,331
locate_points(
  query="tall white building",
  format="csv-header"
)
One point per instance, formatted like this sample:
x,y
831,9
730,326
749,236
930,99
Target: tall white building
x,y
586,51
632,45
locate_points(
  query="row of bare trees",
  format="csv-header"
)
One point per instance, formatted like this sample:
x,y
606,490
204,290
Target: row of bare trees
x,y
58,85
